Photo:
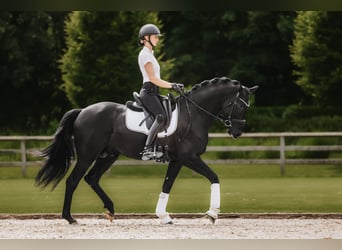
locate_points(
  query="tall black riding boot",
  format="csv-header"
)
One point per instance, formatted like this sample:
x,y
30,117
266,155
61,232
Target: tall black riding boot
x,y
149,153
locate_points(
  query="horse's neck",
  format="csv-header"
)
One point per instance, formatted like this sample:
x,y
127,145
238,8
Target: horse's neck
x,y
200,120
209,100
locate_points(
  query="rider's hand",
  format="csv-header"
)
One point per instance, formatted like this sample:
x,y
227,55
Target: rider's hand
x,y
178,87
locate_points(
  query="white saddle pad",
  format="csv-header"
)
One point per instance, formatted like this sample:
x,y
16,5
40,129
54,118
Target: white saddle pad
x,y
133,119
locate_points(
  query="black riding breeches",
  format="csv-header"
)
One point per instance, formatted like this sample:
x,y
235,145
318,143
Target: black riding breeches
x,y
149,95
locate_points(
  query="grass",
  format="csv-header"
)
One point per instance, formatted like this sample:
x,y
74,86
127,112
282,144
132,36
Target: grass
x,y
244,189
133,195
223,171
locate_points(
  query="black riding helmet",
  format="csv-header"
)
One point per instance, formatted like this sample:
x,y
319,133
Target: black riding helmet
x,y
148,30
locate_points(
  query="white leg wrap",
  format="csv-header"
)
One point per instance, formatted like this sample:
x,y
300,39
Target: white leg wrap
x,y
161,208
162,203
214,201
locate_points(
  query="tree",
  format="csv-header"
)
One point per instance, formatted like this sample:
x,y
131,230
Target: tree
x,y
316,52
198,42
29,78
263,56
100,63
252,47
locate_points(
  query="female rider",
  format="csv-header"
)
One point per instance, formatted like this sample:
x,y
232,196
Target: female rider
x,y
149,93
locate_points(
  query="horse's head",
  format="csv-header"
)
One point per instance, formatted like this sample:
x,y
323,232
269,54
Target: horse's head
x,y
235,109
223,99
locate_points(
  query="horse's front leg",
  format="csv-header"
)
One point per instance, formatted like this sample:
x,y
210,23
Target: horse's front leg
x,y
171,174
215,201
198,165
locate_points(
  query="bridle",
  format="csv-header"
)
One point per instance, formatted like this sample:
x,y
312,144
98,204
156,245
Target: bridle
x,y
227,121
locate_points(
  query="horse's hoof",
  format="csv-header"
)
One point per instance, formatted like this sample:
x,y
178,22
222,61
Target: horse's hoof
x,y
165,219
72,221
110,216
212,219
212,214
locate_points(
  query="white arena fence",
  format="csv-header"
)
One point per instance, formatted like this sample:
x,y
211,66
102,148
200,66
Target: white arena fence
x,y
28,155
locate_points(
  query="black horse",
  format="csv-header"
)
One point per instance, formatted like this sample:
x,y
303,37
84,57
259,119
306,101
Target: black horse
x,y
99,134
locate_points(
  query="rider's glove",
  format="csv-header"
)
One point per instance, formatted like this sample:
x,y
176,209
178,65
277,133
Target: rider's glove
x,y
178,87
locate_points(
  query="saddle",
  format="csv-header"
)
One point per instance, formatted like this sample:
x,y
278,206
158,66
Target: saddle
x,y
168,102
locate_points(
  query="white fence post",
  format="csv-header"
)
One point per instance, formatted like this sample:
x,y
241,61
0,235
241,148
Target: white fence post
x,y
23,157
282,155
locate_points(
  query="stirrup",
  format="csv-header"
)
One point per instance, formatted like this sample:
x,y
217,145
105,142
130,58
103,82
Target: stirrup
x,y
150,154
146,155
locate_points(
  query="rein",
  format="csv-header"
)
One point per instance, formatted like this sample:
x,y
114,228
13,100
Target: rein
x,y
202,109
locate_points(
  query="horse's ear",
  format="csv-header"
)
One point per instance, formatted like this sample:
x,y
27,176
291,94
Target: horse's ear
x,y
253,89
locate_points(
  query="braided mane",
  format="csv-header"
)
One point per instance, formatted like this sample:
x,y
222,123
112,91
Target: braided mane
x,y
206,83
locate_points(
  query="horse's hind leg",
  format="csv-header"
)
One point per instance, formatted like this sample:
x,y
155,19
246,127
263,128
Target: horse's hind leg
x,y
93,177
76,175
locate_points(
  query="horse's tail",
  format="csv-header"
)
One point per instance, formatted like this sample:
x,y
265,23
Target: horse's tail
x,y
59,153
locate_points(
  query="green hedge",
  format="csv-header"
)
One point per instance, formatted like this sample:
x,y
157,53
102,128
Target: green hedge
x,y
290,119
293,118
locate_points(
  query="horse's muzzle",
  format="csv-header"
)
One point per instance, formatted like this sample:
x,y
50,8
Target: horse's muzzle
x,y
237,135
234,134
